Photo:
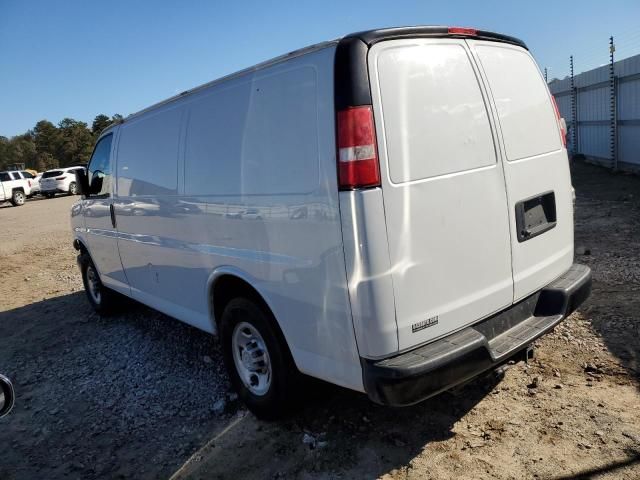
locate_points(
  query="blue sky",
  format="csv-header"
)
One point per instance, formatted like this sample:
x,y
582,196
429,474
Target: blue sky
x,y
81,58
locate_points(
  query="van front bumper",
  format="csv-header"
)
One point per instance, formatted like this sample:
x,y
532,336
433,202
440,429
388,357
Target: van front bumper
x,y
430,369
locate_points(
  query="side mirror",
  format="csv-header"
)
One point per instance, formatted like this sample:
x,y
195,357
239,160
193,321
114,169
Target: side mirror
x,y
82,182
96,182
7,396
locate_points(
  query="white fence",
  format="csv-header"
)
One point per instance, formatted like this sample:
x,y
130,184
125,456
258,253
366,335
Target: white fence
x,y
603,113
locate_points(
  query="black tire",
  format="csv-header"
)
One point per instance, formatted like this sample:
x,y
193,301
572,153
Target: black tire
x,y
73,188
106,300
18,198
282,392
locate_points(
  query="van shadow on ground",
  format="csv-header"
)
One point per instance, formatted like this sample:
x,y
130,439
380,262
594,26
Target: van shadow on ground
x,y
128,396
133,395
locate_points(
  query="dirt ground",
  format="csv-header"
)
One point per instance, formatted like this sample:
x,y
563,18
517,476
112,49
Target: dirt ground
x,y
142,396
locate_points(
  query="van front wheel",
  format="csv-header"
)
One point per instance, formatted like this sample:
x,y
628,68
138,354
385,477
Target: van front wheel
x,y
102,299
257,358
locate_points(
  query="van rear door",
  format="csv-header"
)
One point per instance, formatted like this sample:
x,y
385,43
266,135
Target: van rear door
x,y
443,187
536,167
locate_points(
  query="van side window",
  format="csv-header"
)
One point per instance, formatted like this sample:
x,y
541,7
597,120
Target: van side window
x,y
99,169
255,138
148,150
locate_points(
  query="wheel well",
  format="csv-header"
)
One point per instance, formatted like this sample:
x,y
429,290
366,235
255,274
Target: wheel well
x,y
78,245
18,189
228,287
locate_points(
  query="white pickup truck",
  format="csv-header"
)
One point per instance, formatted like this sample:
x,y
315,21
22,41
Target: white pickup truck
x,y
15,187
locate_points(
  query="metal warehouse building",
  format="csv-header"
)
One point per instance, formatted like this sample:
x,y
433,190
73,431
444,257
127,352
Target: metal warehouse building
x,y
602,111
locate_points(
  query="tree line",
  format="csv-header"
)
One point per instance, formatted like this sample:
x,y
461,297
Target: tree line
x,y
48,146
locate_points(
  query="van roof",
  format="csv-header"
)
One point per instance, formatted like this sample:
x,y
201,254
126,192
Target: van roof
x,y
369,37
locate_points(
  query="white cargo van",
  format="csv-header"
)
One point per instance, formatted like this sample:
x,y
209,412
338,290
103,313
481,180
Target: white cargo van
x,y
390,212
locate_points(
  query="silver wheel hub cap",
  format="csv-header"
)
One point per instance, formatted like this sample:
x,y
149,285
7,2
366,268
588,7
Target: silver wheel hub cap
x,y
93,283
251,358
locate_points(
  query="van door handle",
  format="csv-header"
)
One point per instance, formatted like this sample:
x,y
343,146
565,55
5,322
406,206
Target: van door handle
x,y
112,211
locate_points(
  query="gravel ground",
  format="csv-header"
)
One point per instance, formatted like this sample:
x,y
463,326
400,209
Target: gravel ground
x,y
130,396
140,395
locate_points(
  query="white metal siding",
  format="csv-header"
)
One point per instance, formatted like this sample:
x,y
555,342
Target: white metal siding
x,y
593,110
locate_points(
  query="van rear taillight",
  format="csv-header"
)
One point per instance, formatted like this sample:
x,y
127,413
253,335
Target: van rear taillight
x,y
463,31
61,178
563,131
358,165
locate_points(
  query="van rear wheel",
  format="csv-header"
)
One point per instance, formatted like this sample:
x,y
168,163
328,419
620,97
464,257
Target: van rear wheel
x,y
257,359
102,299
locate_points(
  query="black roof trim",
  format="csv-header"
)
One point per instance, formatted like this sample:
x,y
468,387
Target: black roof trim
x,y
374,36
351,81
351,74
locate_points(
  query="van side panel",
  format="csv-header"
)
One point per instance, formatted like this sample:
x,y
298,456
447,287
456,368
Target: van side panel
x,y
257,193
369,272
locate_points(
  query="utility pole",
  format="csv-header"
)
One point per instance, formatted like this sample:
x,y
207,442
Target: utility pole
x,y
613,124
574,111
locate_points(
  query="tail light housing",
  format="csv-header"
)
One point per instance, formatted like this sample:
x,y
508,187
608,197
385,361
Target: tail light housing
x,y
61,178
358,165
563,131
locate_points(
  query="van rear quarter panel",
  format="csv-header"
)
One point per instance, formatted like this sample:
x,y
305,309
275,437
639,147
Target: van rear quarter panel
x,y
256,194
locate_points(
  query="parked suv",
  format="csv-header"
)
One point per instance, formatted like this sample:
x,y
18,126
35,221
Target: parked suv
x,y
59,180
15,187
437,235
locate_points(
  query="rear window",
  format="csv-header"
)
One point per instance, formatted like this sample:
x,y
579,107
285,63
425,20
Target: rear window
x,y
52,173
27,174
435,118
527,118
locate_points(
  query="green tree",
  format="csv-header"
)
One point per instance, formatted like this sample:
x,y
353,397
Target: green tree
x,y
4,147
46,161
99,124
19,149
76,142
46,137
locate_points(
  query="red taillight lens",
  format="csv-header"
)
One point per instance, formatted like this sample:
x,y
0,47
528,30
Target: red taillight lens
x,y
358,165
61,178
463,31
563,132
29,182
